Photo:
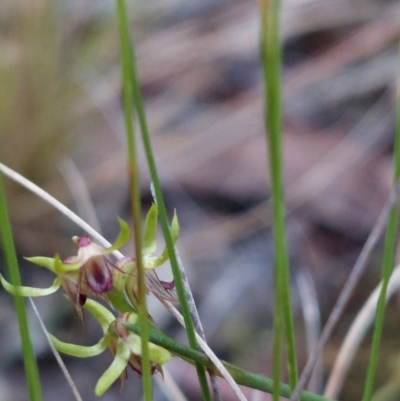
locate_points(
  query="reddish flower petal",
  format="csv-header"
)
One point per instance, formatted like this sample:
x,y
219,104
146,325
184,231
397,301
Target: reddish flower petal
x,y
77,301
135,362
82,299
98,274
168,285
159,288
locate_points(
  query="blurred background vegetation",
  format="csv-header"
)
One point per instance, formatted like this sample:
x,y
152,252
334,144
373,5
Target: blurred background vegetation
x,y
61,125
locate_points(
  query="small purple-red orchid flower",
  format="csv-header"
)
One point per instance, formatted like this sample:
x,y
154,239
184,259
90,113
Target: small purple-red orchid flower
x,y
125,346
91,273
94,265
87,273
126,282
125,275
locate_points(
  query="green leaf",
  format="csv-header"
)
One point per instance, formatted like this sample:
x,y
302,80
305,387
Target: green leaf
x,y
23,291
100,313
150,231
115,369
80,351
48,263
122,239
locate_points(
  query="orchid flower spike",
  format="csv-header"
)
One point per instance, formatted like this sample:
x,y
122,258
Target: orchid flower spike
x,y
91,273
125,346
87,273
125,294
125,275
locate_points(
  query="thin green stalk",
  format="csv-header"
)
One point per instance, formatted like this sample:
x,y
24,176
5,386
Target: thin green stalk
x,y
31,369
271,62
277,347
387,263
127,66
165,226
241,376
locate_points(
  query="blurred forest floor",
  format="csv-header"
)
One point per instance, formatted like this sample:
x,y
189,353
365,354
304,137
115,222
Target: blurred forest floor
x,y
61,125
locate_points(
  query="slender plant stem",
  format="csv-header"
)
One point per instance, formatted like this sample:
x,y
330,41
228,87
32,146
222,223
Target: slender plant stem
x,y
31,369
197,322
194,313
56,353
165,226
208,351
241,376
127,66
347,291
355,335
30,186
271,62
387,264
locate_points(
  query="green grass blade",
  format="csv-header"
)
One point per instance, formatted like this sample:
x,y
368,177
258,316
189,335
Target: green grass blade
x,y
271,62
127,66
31,369
387,263
165,226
